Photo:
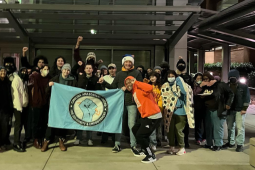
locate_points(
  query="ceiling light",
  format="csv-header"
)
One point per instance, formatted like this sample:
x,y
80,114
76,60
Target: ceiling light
x,y
93,31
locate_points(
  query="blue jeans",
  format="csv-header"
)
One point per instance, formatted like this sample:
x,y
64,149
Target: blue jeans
x,y
236,119
153,138
88,135
132,113
214,128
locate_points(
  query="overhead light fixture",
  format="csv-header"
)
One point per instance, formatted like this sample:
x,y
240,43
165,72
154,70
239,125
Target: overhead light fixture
x,y
231,45
93,31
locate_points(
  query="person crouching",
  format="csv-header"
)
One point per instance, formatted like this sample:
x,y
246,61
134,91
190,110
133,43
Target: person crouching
x,y
150,115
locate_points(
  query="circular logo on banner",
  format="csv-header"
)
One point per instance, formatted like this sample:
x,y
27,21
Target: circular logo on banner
x,y
88,108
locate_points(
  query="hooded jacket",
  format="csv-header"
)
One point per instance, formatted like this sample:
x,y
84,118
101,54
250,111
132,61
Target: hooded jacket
x,y
144,98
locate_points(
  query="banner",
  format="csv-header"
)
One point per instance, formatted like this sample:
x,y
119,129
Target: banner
x,y
75,108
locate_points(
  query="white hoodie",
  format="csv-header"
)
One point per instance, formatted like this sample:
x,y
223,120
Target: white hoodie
x,y
19,95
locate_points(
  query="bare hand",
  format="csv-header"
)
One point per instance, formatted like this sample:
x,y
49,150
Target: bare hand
x,y
80,38
81,73
227,107
124,88
25,49
100,61
243,112
80,63
101,80
51,84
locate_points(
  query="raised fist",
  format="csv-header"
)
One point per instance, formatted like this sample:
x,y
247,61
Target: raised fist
x,y
80,38
80,63
100,61
25,49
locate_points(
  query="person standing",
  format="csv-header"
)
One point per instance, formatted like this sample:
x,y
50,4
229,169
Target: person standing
x,y
66,79
40,105
19,101
87,81
237,112
57,66
217,104
6,107
130,107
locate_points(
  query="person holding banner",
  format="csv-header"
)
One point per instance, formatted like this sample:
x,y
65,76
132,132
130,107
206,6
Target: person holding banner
x,y
66,79
87,81
151,115
129,105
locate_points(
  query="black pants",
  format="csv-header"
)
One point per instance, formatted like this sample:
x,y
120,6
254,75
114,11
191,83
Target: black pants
x,y
143,129
4,125
39,121
17,126
52,132
200,124
27,112
186,134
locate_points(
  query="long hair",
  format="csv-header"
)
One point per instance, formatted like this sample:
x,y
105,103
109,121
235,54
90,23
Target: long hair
x,y
54,67
158,82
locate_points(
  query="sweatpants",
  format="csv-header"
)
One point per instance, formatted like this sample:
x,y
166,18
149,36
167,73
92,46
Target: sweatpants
x,y
176,128
142,131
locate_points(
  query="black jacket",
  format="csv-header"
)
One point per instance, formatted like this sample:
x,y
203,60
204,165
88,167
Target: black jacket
x,y
242,98
6,97
54,72
223,95
118,82
89,83
187,79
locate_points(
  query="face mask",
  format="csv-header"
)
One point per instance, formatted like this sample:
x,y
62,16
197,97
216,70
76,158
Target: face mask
x,y
233,80
171,79
24,77
199,82
181,68
45,73
10,69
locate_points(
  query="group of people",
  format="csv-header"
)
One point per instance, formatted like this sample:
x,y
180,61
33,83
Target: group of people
x,y
159,103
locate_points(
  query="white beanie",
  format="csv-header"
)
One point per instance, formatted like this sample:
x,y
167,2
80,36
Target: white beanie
x,y
128,57
91,54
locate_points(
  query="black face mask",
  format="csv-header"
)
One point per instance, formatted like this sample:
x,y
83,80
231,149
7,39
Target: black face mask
x,y
232,80
24,77
10,69
181,68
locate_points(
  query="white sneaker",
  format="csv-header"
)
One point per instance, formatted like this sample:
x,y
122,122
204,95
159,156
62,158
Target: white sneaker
x,y
181,152
154,148
90,142
76,142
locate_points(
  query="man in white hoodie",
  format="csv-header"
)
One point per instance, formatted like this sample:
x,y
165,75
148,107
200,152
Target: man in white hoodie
x,y
20,100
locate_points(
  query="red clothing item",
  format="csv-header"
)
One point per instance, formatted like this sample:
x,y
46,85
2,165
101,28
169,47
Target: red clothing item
x,y
38,84
144,98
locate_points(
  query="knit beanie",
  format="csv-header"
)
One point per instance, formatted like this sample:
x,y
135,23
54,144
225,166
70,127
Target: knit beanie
x,y
66,66
157,67
91,55
164,65
128,57
234,73
103,67
2,67
207,74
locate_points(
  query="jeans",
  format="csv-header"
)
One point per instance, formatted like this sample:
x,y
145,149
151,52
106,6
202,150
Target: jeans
x,y
199,124
236,119
214,128
176,128
153,138
132,113
88,135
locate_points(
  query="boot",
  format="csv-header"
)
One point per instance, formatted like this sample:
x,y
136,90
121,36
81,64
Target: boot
x,y
61,145
37,144
45,146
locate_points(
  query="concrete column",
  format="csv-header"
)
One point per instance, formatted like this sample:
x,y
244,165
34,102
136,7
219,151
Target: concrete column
x,y
191,62
200,61
226,62
180,49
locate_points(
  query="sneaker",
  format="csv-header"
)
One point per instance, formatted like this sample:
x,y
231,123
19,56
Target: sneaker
x,y
217,148
198,142
171,151
149,159
228,145
181,152
76,142
116,149
239,148
137,153
153,148
208,147
90,142
203,141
